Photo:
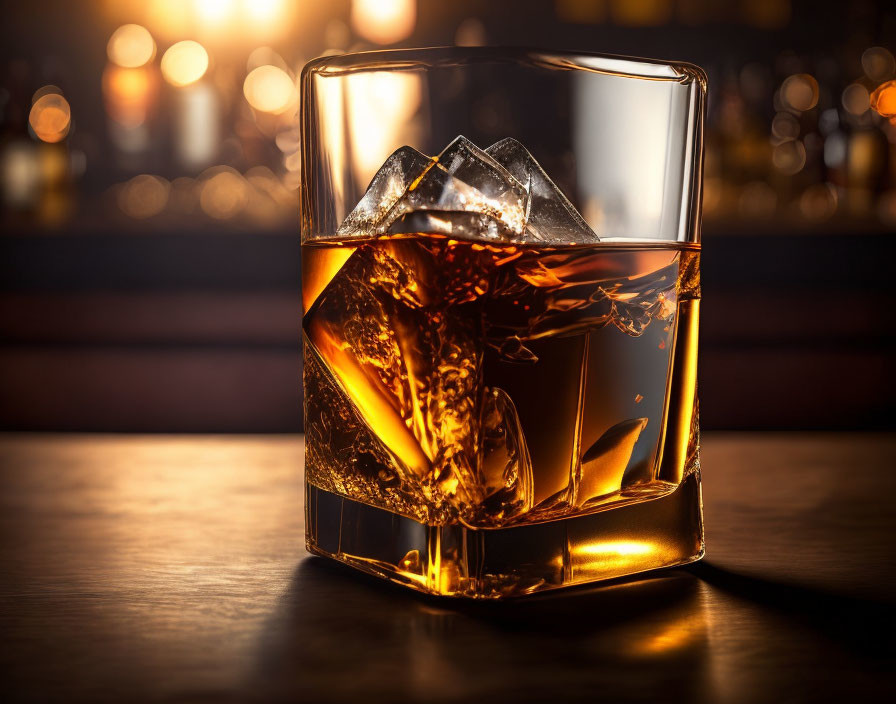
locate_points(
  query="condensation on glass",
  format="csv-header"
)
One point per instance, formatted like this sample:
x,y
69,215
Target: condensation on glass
x,y
501,288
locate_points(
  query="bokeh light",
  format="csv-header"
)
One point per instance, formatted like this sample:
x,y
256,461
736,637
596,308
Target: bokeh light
x,y
800,92
269,89
45,90
131,46
264,11
789,157
262,56
128,93
182,198
384,21
168,18
818,202
856,100
883,99
224,193
19,174
50,117
184,63
144,196
214,11
878,63
196,125
785,126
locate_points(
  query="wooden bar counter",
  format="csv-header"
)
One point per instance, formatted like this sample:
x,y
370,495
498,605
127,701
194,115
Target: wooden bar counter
x,y
173,569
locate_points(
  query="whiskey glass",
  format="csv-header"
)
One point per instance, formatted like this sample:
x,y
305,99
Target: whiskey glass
x,y
501,291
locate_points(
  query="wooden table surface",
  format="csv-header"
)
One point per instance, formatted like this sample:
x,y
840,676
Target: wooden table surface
x,y
141,568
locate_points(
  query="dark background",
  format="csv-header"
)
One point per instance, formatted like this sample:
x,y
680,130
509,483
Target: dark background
x,y
185,317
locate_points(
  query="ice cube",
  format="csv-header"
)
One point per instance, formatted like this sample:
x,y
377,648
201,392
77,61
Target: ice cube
x,y
499,193
550,215
505,465
386,187
463,192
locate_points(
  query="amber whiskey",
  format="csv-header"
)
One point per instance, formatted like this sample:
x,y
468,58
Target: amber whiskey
x,y
487,419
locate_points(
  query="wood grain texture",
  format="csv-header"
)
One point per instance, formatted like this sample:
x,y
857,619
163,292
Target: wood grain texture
x,y
141,568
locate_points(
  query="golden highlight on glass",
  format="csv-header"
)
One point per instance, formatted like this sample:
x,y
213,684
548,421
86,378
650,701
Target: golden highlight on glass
x,y
500,396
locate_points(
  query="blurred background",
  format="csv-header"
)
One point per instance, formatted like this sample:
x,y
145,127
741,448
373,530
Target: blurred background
x,y
149,255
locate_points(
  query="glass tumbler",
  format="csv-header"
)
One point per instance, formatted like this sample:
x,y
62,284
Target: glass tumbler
x,y
501,292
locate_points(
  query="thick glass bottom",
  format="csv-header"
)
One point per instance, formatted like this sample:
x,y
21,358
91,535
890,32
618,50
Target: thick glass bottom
x,y
490,563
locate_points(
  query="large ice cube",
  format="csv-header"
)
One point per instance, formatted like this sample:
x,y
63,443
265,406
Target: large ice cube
x,y
397,333
550,215
461,182
388,185
500,193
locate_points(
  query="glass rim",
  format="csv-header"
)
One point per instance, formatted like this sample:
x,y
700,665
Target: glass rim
x,y
408,59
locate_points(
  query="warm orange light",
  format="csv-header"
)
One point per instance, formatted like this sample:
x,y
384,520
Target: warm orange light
x,y
184,63
223,195
144,196
785,126
336,34
263,11
319,266
381,108
128,93
214,11
50,117
269,89
789,157
614,548
45,90
169,18
878,63
856,99
131,46
384,21
263,56
818,202
883,99
20,173
800,91
365,395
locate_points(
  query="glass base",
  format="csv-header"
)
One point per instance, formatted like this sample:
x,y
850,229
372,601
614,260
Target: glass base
x,y
491,563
